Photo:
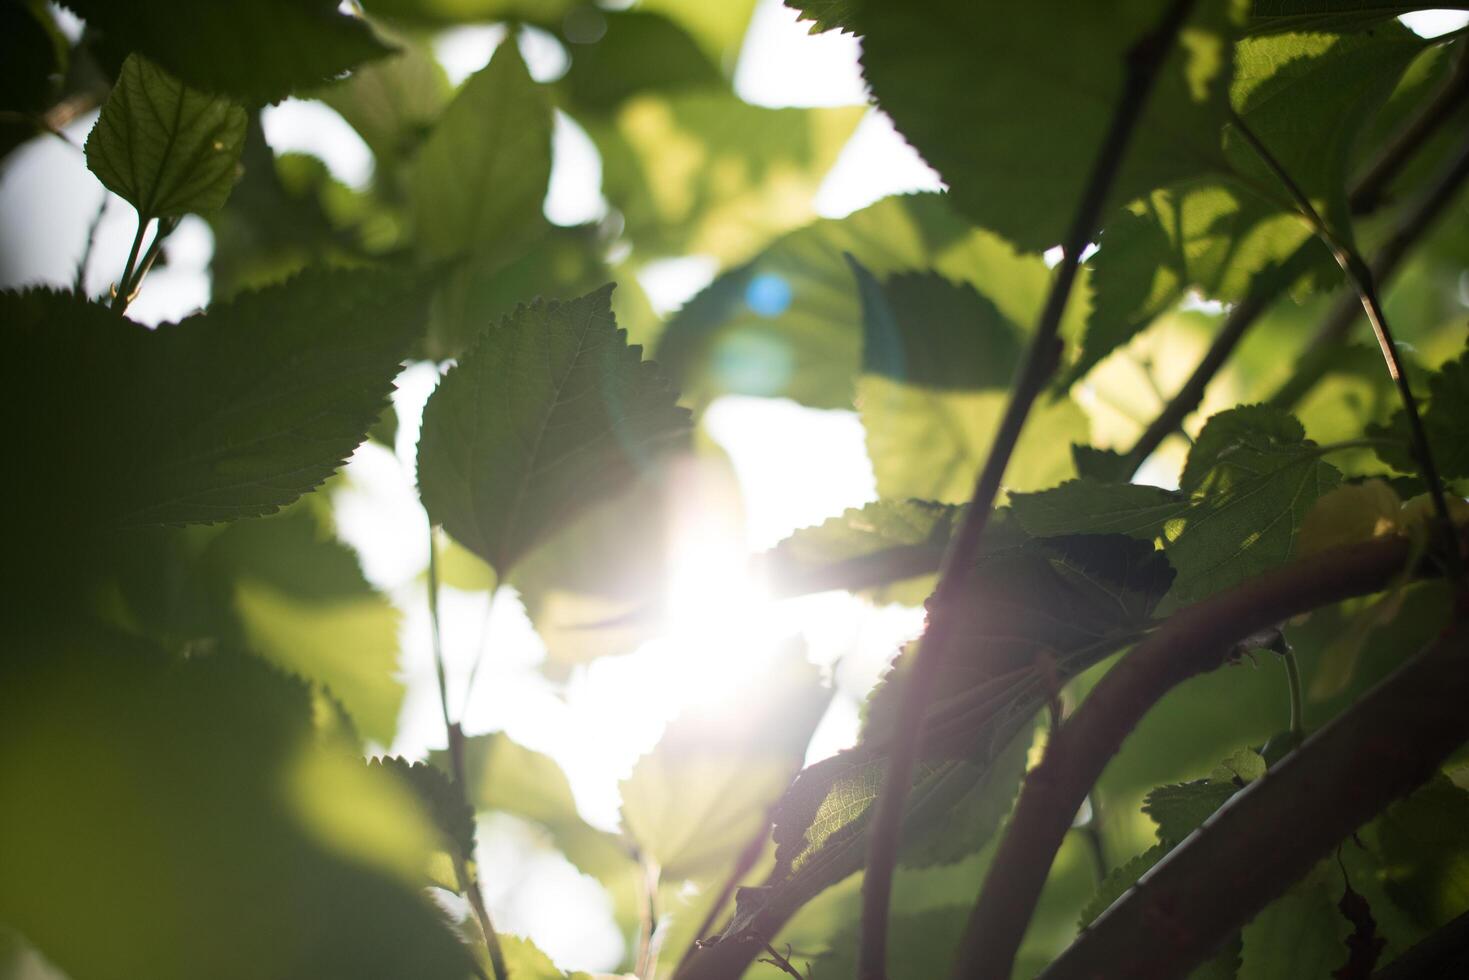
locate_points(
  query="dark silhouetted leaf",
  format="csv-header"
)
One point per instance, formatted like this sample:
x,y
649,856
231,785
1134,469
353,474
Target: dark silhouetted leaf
x,y
257,52
924,330
216,836
227,414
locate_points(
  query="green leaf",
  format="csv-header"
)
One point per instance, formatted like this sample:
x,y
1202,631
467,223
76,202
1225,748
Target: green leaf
x,y
1299,936
228,414
1118,881
257,52
444,12
392,103
301,602
703,172
924,330
1181,808
1254,477
484,286
548,413
998,112
618,65
164,147
1308,98
1108,585
1330,15
1445,415
503,776
888,549
452,817
1424,843
930,444
824,15
696,800
787,323
1250,480
481,176
1212,236
921,946
1088,506
216,836
980,731
524,961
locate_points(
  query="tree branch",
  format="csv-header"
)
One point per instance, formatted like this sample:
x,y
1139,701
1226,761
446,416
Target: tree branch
x,y
1365,197
1144,62
1316,357
1274,831
1196,640
1359,274
462,870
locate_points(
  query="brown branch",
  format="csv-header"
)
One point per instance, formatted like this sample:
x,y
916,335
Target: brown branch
x,y
747,859
1144,61
1273,832
1365,196
1196,640
1445,953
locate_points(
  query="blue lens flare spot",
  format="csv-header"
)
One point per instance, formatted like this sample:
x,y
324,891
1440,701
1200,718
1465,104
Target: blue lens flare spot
x,y
768,294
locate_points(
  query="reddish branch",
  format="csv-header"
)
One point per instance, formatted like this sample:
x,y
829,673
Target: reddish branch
x,y
1194,641
1144,62
1278,828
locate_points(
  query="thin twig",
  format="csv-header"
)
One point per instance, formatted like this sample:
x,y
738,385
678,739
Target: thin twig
x,y
747,859
1365,196
145,265
123,290
1144,61
1197,639
1372,185
782,963
1293,684
455,734
1360,275
79,284
1316,357
646,963
1274,831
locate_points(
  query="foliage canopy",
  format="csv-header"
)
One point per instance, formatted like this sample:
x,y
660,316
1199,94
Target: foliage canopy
x,y
1141,304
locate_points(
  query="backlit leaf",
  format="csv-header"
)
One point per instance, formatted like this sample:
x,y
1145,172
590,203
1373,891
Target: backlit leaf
x,y
1299,936
481,177
1000,113
695,801
164,147
548,413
